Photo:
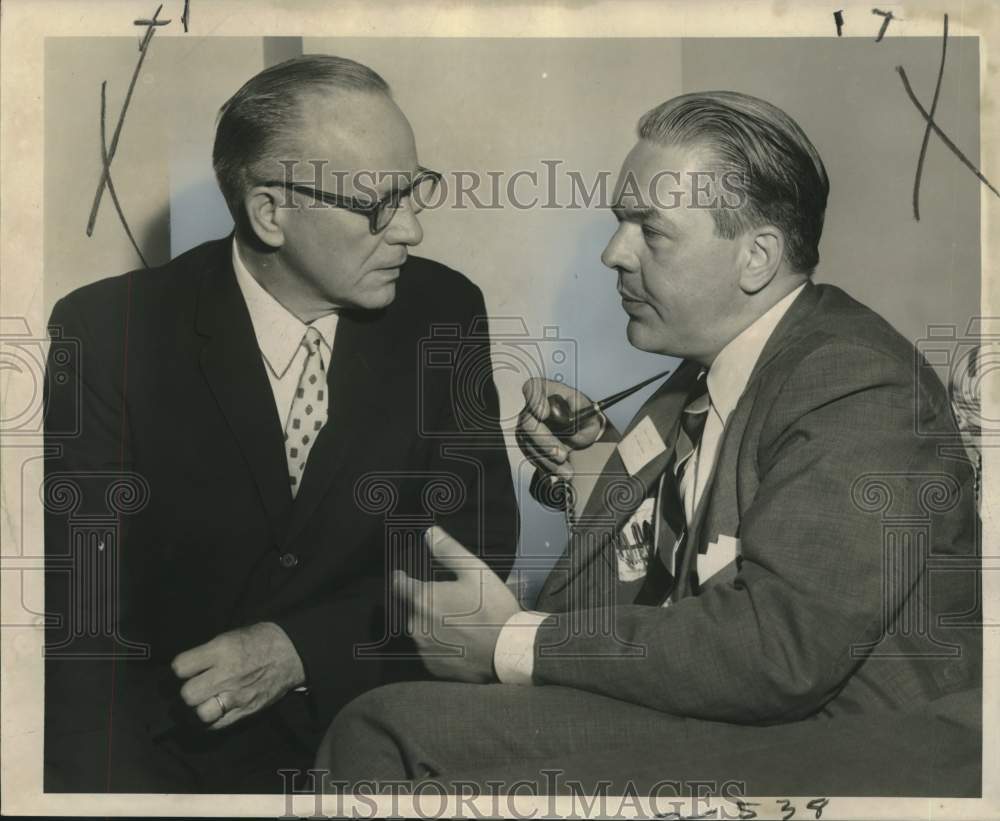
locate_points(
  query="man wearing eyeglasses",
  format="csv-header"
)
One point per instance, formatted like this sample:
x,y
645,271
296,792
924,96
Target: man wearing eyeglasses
x,y
265,394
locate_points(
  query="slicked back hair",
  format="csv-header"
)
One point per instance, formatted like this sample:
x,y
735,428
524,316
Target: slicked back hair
x,y
778,174
261,121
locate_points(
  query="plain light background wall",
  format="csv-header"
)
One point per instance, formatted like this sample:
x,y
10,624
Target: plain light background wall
x,y
163,168
507,104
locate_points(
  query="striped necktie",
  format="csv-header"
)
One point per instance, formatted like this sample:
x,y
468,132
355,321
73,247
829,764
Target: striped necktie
x,y
670,502
692,425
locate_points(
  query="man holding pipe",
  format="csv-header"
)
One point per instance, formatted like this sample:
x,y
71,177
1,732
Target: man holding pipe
x,y
732,605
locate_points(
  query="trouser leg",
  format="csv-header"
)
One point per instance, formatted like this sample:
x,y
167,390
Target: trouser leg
x,y
441,729
484,734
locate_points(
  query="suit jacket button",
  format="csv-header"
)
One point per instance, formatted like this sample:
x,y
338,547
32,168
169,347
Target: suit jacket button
x,y
288,560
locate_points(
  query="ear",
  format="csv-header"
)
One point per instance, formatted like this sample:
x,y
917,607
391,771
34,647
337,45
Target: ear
x,y
765,251
266,209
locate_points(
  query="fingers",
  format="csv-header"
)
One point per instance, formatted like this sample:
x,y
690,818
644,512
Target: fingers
x,y
590,431
536,398
218,679
411,591
211,710
452,554
235,674
194,661
404,586
201,688
540,446
224,703
226,707
230,718
236,704
537,392
536,440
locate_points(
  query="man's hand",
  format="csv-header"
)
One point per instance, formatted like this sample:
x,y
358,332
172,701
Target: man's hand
x,y
455,624
537,442
238,673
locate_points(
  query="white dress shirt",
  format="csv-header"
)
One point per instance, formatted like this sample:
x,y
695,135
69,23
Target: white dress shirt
x,y
279,336
514,654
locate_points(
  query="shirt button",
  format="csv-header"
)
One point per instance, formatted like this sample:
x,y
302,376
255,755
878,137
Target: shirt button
x,y
288,560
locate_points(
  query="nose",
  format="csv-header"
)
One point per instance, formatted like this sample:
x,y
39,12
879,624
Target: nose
x,y
405,228
618,253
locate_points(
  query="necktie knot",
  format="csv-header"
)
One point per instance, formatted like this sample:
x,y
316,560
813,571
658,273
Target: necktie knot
x,y
696,410
311,340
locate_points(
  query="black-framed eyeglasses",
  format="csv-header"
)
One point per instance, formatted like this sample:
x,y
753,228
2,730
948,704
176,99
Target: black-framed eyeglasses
x,y
379,213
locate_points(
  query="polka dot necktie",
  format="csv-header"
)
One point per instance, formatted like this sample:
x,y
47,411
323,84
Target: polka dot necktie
x,y
308,412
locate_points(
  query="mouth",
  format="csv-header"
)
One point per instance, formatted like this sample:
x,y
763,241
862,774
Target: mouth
x,y
627,297
393,265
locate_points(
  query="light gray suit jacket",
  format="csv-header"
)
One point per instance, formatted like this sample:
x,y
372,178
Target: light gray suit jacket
x,y
857,587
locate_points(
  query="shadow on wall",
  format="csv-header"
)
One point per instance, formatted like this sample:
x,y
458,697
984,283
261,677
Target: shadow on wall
x,y
198,213
195,214
153,238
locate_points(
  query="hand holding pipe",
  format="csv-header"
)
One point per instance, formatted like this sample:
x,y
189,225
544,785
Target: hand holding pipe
x,y
563,421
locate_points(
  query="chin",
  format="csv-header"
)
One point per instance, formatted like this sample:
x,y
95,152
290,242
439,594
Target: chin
x,y
638,335
644,338
381,297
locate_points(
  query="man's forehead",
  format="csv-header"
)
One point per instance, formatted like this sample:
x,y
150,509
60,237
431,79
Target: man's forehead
x,y
357,133
653,175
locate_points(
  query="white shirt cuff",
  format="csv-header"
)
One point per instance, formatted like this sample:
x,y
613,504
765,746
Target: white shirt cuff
x,y
514,654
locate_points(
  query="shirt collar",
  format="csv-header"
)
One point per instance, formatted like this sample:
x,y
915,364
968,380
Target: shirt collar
x,y
279,332
730,372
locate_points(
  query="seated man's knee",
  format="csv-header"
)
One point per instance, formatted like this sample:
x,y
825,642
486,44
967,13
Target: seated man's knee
x,y
367,717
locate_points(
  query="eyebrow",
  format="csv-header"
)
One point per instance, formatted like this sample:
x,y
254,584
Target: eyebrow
x,y
394,176
649,216
633,214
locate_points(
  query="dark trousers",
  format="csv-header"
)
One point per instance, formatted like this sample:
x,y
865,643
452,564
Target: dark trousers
x,y
187,758
460,733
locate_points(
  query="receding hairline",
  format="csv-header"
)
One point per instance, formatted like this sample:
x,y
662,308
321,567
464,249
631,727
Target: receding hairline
x,y
332,125
333,95
348,112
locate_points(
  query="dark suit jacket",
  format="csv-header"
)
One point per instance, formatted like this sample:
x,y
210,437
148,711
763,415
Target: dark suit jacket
x,y
180,467
856,590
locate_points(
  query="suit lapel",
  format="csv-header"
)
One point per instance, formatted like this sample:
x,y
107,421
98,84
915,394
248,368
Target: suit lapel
x,y
663,408
616,494
719,508
234,370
